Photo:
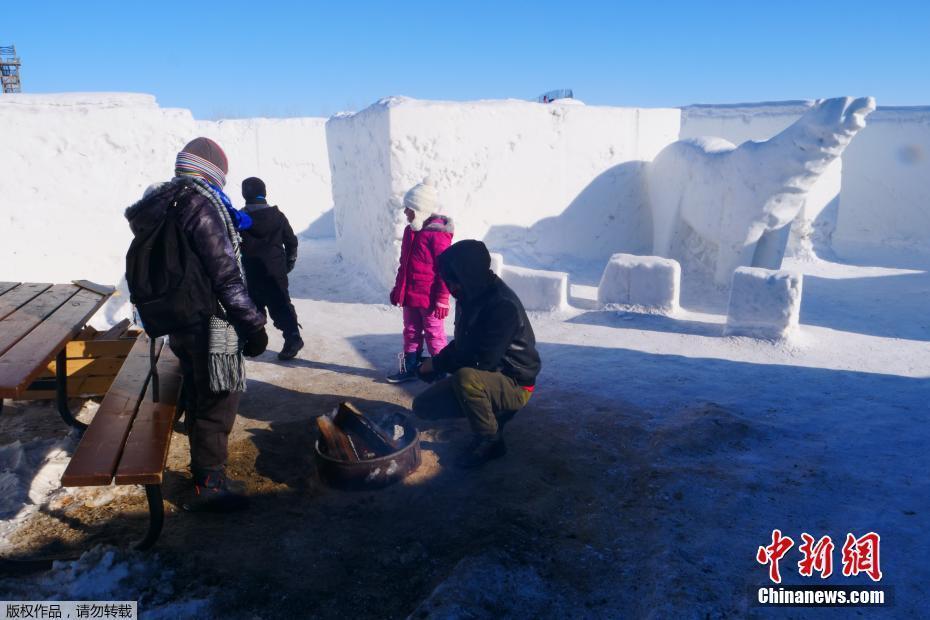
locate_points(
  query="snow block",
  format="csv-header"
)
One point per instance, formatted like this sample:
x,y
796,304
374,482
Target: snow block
x,y
537,289
497,263
764,303
649,282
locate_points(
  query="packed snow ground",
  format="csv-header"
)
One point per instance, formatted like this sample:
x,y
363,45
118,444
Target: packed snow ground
x,y
657,455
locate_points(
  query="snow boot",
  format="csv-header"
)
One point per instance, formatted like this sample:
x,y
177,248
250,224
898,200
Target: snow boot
x,y
214,492
408,362
481,450
292,344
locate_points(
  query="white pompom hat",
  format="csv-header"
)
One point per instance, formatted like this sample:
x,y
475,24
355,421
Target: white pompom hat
x,y
423,200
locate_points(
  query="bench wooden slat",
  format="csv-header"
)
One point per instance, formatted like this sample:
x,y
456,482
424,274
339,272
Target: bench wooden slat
x,y
146,452
7,286
94,462
24,319
87,367
89,349
116,332
29,357
78,387
19,295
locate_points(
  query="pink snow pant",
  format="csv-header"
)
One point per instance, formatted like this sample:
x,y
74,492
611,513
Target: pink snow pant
x,y
420,323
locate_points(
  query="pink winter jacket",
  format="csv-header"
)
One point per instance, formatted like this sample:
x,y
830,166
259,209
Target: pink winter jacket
x,y
418,284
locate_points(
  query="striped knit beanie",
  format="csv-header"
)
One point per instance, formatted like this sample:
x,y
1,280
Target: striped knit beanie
x,y
204,158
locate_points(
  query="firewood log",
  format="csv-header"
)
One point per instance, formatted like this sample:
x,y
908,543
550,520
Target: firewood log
x,y
353,421
338,444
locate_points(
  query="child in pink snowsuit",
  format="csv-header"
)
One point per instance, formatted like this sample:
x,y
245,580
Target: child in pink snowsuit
x,y
418,287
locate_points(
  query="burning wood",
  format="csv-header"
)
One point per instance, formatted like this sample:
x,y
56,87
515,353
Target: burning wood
x,y
349,435
353,421
336,441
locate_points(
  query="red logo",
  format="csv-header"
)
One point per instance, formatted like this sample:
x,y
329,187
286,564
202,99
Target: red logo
x,y
860,555
817,557
773,553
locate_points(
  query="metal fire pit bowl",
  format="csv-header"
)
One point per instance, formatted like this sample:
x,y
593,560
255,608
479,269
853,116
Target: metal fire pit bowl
x,y
373,473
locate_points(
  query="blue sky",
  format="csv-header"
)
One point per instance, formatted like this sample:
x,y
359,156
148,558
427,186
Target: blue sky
x,y
232,59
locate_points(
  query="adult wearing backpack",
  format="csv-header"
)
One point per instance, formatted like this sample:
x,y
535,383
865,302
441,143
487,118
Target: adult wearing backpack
x,y
185,278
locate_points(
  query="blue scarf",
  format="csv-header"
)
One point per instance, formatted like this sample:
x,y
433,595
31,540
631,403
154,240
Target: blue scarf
x,y
241,220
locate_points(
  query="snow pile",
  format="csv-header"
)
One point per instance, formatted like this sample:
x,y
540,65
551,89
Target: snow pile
x,y
764,303
536,182
497,263
648,283
73,162
492,585
739,201
537,289
30,476
107,574
886,182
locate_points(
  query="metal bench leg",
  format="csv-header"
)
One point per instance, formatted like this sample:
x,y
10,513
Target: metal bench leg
x,y
61,392
156,517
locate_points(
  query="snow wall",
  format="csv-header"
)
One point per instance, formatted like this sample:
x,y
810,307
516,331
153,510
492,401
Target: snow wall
x,y
546,185
885,197
71,164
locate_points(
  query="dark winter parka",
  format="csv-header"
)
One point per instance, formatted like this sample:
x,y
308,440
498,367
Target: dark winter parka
x,y
492,331
207,235
269,246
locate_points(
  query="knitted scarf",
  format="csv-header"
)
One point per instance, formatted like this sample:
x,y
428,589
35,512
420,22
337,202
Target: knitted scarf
x,y
226,365
194,166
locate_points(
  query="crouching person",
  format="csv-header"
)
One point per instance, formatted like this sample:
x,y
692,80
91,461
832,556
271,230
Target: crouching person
x,y
492,361
188,226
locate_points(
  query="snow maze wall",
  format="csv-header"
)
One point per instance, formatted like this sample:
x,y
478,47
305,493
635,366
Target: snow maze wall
x,y
548,186
72,163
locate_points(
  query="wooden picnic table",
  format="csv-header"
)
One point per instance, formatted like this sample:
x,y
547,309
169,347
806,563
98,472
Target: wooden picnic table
x,y
36,323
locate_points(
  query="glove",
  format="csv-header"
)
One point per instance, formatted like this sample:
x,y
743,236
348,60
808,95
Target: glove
x,y
256,343
441,312
290,265
394,297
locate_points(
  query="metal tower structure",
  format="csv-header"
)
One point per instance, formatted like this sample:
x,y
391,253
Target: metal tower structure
x,y
9,69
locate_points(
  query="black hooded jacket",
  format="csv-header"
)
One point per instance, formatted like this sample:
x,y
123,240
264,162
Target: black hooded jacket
x,y
207,235
492,331
269,246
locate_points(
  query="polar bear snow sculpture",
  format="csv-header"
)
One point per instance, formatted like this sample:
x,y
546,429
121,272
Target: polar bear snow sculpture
x,y
742,199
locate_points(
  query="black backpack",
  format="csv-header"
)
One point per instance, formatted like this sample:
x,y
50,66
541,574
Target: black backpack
x,y
167,283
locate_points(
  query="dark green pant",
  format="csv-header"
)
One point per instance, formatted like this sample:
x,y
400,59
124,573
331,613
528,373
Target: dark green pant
x,y
478,395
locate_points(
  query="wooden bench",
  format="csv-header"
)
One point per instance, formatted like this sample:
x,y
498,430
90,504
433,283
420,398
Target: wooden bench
x,y
36,322
127,442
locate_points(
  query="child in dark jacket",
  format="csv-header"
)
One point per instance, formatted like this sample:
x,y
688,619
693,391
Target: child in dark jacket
x,y
418,287
269,252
